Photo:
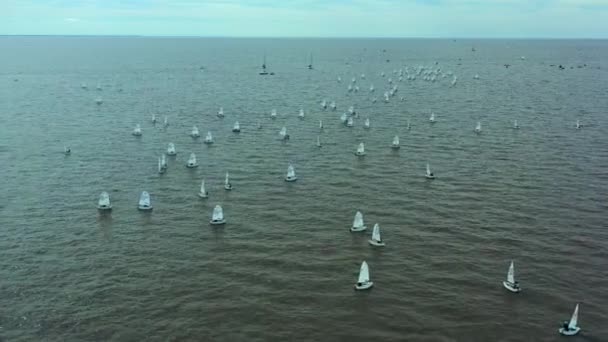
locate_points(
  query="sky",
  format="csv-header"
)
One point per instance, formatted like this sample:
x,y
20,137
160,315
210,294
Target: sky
x,y
308,18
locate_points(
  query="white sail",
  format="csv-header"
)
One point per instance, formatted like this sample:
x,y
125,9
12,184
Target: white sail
x,y
574,319
428,170
515,124
371,88
324,103
203,191
351,110
367,123
318,141
511,274
343,118
195,132
192,159
104,200
160,166
350,122
361,149
171,149
320,124
227,179
301,114
137,130
220,112
153,118
376,233
396,141
237,126
332,105
209,137
432,118
144,200
218,214
291,173
283,132
578,124
358,221
478,127
163,161
166,122
408,125
363,273
273,114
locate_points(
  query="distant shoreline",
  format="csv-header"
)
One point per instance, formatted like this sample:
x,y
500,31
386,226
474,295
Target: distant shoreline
x,y
278,37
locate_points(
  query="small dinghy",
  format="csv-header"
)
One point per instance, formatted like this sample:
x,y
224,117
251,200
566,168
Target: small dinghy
x,y
192,161
371,88
218,216
220,112
301,114
259,125
510,284
343,118
291,174
195,133
163,161
99,100
358,225
578,124
208,138
166,122
203,193
366,125
83,85
429,174
570,328
144,201
350,122
319,141
515,125
104,202
273,114
171,149
432,118
283,133
395,145
478,127
161,170
153,118
333,106
360,150
351,110
324,104
227,184
236,128
67,150
376,240
363,283
409,127
137,130
320,125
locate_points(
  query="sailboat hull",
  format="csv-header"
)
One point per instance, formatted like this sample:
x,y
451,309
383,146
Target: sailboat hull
x,y
203,195
291,179
376,243
191,165
429,177
217,222
104,207
568,332
395,147
364,286
359,154
358,229
510,287
228,187
144,207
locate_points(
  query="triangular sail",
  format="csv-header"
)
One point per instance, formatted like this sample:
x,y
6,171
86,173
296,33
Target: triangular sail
x,y
194,130
364,273
361,148
144,199
291,173
227,180
203,187
283,132
163,161
376,233
574,320
192,159
218,213
104,199
428,169
209,136
358,221
160,165
478,126
237,126
396,141
511,274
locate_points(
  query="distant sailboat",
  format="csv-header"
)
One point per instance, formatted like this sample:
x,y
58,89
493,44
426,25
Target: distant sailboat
x,y
366,125
376,240
208,138
291,174
343,118
310,64
515,125
171,149
99,100
264,72
166,122
301,114
220,112
350,122
202,192
192,161
160,166
104,202
510,284
364,282
137,130
66,150
236,128
324,104
360,150
578,124
395,145
320,125
478,127
570,328
372,89
144,201
163,161
432,118
195,133
83,85
332,105
273,114
409,127
259,125
283,133
218,216
429,174
358,225
319,141
227,184
351,110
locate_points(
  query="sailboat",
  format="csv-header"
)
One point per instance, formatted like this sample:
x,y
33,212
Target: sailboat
x,y
163,161
161,170
227,184
571,327
371,88
137,130
320,125
236,128
195,133
264,72
291,174
376,240
208,138
478,127
395,144
510,284
409,127
99,100
283,133
578,124
432,118
203,193
83,85
171,149
360,150
358,225
363,283
515,125
67,150
166,122
220,112
351,110
192,161
333,106
218,216
310,64
319,141
350,122
144,201
301,114
273,114
366,125
429,174
104,202
324,103
343,118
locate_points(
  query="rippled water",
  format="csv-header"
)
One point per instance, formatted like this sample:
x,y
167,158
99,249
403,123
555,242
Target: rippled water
x,y
284,266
